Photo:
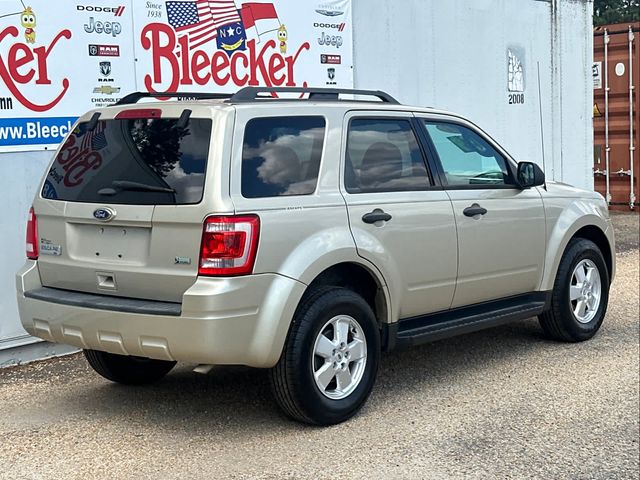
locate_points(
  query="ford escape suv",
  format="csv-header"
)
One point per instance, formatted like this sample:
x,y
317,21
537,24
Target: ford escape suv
x,y
305,236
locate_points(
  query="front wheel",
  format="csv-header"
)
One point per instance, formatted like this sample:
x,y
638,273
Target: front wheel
x,y
330,360
580,294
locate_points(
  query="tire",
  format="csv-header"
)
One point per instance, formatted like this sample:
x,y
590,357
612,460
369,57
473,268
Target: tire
x,y
561,322
127,370
324,312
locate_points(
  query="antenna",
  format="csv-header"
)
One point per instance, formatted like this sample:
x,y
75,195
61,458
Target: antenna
x,y
544,165
17,13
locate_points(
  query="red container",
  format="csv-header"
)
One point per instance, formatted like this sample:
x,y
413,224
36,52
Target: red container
x,y
616,122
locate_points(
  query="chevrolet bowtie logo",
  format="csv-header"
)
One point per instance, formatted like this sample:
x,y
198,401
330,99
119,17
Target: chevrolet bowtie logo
x,y
106,90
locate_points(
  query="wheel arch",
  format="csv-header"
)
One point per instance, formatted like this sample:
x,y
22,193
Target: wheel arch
x,y
597,236
575,224
361,279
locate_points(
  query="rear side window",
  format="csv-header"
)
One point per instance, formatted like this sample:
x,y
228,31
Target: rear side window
x,y
383,156
132,161
281,156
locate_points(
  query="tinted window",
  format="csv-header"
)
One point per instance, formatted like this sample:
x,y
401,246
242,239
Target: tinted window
x,y
281,156
132,161
383,156
467,159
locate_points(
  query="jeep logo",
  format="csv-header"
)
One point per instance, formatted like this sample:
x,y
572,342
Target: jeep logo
x,y
330,40
110,28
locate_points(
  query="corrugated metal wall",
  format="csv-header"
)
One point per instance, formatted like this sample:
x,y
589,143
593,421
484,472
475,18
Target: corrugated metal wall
x,y
617,114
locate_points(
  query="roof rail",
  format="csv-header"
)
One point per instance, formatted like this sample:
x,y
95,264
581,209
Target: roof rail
x,y
135,97
251,94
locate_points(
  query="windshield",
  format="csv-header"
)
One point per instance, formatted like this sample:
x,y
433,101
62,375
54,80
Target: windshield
x,y
149,161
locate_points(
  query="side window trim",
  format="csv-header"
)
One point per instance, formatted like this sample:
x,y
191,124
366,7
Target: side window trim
x,y
440,168
433,160
434,181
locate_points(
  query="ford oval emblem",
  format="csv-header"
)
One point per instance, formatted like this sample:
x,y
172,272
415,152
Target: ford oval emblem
x,y
104,214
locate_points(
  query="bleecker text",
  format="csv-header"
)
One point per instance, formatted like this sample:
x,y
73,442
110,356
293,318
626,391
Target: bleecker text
x,y
23,65
172,56
75,163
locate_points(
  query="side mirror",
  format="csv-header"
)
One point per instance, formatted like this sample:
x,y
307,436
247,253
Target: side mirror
x,y
530,175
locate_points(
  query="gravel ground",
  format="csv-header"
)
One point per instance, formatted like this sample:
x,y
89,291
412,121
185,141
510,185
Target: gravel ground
x,y
504,403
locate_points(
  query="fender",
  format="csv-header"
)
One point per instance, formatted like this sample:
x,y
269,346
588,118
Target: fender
x,y
561,229
324,249
388,269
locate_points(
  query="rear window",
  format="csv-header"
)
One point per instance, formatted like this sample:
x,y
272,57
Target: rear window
x,y
132,161
281,156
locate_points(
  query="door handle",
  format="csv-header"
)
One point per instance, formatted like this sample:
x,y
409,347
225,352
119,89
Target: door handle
x,y
474,210
376,216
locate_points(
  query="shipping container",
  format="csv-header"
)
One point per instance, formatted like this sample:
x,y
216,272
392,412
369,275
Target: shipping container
x,y
616,110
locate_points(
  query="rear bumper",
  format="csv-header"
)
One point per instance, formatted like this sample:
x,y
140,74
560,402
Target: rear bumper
x,y
231,321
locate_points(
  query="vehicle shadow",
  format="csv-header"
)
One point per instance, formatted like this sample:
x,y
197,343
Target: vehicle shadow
x,y
239,398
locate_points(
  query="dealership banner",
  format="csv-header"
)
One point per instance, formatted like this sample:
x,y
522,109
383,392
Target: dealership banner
x,y
220,46
60,59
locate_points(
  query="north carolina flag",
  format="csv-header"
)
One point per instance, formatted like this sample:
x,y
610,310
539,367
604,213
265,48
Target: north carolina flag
x,y
261,16
201,20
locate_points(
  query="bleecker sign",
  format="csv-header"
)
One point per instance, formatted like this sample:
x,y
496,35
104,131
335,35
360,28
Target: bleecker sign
x,y
258,65
59,59
22,65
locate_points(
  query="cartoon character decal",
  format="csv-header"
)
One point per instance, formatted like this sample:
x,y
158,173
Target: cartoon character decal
x,y
28,21
282,37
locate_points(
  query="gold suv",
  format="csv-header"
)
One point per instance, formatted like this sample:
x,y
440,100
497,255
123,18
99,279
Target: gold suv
x,y
303,235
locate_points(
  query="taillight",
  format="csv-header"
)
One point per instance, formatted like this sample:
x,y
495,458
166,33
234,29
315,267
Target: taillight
x,y
229,245
32,235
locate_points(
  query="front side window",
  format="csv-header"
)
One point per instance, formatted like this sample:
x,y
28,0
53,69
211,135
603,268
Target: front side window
x,y
383,156
467,159
281,156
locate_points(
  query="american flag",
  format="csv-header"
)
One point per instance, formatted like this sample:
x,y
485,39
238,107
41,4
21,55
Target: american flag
x,y
95,139
200,19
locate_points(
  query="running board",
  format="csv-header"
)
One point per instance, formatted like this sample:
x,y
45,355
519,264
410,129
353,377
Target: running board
x,y
458,321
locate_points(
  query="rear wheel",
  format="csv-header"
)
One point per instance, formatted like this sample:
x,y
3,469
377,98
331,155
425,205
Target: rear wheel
x,y
127,370
580,294
330,360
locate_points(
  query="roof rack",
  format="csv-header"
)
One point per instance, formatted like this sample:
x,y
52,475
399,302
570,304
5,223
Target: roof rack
x,y
251,94
135,97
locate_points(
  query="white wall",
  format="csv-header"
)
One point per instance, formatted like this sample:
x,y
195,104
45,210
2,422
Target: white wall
x,y
21,174
453,55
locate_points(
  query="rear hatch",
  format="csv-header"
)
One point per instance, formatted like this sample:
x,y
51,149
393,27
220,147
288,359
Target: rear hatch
x,y
121,210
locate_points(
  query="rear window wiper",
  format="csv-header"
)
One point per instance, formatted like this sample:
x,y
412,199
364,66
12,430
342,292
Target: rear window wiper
x,y
126,185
